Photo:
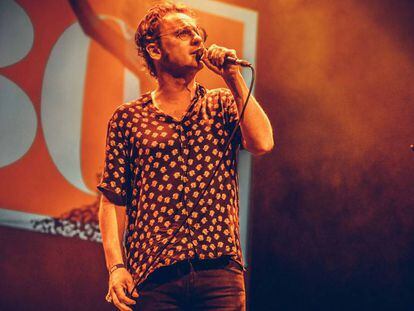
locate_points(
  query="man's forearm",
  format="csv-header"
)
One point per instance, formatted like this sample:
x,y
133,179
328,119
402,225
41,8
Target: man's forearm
x,y
112,226
256,128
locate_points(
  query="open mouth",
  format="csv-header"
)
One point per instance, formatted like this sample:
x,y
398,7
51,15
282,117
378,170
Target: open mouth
x,y
199,54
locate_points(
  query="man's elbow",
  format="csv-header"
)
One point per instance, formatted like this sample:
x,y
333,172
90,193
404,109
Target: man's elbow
x,y
265,149
261,149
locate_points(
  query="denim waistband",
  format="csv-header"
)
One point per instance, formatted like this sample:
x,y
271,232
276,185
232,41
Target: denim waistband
x,y
184,267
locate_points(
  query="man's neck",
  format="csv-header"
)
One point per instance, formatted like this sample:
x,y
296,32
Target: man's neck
x,y
175,91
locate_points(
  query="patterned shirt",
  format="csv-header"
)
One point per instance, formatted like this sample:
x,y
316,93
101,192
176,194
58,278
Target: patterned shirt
x,y
158,166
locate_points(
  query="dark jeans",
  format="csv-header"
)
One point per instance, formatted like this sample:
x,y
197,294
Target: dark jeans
x,y
216,284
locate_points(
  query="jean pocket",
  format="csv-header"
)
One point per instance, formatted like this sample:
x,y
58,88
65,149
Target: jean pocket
x,y
234,267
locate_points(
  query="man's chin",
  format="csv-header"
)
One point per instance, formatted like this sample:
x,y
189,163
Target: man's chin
x,y
197,65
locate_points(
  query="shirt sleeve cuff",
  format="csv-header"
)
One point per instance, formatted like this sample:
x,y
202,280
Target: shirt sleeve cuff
x,y
112,196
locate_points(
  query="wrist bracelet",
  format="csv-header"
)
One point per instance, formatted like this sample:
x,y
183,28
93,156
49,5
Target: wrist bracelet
x,y
115,267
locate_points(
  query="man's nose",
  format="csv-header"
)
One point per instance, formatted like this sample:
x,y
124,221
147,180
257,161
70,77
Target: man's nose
x,y
197,39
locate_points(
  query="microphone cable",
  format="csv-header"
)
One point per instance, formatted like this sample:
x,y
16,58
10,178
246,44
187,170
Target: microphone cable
x,y
226,148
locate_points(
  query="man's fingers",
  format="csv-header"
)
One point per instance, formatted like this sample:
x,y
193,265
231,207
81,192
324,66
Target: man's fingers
x,y
212,55
215,57
120,293
131,289
210,66
222,58
231,53
121,306
210,50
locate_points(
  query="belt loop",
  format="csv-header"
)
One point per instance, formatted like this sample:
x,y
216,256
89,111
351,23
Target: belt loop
x,y
191,266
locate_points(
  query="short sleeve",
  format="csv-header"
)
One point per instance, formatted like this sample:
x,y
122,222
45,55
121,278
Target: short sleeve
x,y
115,184
231,114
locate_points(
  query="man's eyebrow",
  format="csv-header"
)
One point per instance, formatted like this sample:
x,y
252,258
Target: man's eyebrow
x,y
184,24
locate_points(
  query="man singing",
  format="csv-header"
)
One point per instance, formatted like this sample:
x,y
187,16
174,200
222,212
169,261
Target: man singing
x,y
171,237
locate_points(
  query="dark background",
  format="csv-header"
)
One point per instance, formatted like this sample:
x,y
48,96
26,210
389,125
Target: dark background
x,y
332,206
332,222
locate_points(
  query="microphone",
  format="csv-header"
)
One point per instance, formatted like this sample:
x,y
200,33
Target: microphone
x,y
228,59
237,61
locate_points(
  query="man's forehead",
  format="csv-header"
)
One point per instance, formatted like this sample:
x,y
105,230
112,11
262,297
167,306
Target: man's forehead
x,y
174,20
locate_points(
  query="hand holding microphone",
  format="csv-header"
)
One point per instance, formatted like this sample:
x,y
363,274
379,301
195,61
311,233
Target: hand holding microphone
x,y
221,60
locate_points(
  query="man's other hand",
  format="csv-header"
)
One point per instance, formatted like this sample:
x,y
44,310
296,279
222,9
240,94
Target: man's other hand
x,y
120,285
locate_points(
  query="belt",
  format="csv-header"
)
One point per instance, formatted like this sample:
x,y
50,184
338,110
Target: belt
x,y
184,267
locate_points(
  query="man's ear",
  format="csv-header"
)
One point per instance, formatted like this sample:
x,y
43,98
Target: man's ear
x,y
153,51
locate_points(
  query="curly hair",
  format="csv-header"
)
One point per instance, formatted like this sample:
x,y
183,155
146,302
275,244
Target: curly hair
x,y
149,28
